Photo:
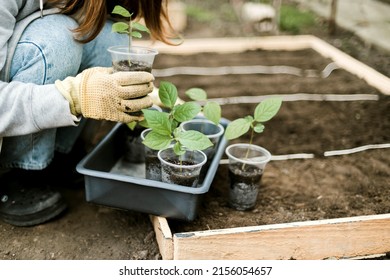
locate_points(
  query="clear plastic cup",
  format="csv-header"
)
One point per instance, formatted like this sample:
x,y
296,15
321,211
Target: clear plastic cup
x,y
136,58
246,167
181,170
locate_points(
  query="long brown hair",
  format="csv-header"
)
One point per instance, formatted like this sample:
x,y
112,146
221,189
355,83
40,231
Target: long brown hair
x,y
92,14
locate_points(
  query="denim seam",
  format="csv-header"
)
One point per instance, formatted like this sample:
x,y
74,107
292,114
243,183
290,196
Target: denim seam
x,y
44,72
43,57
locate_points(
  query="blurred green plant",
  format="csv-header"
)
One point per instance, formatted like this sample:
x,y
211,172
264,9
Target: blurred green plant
x,y
293,20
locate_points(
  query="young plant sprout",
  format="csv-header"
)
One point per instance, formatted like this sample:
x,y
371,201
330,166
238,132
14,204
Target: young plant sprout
x,y
131,28
264,111
165,125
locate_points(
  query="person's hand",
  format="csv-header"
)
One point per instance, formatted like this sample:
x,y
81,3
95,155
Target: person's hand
x,y
98,93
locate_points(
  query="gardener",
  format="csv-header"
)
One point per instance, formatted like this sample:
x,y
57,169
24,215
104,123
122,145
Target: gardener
x,y
54,71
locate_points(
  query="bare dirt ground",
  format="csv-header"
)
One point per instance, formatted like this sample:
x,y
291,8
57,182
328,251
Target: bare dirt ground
x,y
294,190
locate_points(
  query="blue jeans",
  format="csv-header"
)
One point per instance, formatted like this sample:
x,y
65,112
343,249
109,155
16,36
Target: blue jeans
x,y
47,52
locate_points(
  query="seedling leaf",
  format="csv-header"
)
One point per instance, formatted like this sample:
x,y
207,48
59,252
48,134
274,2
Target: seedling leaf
x,y
178,149
143,123
237,128
167,93
131,125
119,10
267,109
120,27
196,94
136,34
259,128
212,111
158,121
186,111
140,27
157,141
249,119
194,140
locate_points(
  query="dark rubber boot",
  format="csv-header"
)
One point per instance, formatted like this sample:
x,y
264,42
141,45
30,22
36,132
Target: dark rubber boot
x,y
25,199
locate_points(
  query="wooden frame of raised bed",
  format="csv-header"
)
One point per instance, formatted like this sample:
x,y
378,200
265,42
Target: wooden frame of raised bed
x,y
323,239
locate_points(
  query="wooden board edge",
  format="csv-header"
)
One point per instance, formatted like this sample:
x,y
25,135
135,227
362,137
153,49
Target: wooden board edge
x,y
163,236
352,65
324,239
288,43
232,45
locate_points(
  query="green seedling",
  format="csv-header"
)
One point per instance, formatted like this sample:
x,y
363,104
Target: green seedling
x,y
264,111
131,28
165,125
211,110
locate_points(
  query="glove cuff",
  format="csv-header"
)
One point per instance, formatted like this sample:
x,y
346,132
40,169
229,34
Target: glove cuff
x,y
69,89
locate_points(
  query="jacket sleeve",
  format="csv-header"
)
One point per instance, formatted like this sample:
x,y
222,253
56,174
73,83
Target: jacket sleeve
x,y
8,14
26,108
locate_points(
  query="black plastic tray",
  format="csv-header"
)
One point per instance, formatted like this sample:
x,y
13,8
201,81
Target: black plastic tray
x,y
111,181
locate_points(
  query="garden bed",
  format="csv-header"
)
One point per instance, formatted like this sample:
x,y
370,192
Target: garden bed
x,y
314,203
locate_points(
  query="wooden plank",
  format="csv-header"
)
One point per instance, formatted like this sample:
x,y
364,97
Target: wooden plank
x,y
352,65
296,97
334,238
231,45
163,236
288,43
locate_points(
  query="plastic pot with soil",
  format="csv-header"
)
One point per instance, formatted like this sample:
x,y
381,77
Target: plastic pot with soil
x,y
246,167
135,58
129,57
181,169
247,161
212,131
152,163
134,151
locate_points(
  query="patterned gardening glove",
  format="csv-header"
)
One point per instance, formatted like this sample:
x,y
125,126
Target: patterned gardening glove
x,y
100,94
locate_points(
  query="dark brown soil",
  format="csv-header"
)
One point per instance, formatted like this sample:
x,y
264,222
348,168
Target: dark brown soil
x,y
124,65
303,189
